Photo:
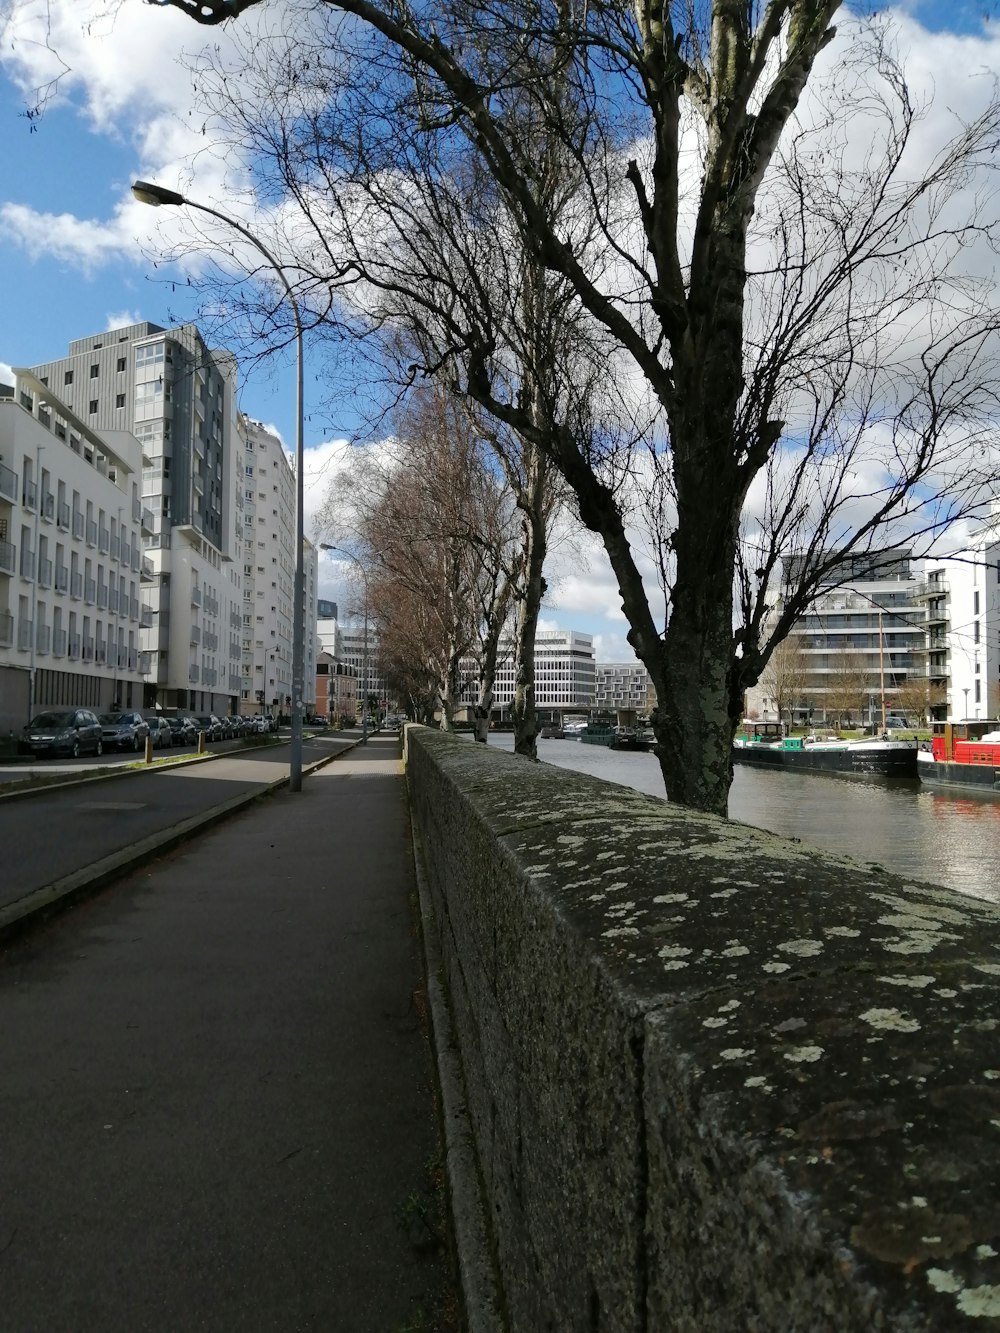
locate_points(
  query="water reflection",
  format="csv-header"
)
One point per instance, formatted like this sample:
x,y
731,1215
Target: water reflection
x,y
929,835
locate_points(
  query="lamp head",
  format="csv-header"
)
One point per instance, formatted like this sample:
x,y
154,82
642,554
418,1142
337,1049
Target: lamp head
x,y
155,195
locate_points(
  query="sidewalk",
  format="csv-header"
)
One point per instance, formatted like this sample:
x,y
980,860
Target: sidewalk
x,y
216,1102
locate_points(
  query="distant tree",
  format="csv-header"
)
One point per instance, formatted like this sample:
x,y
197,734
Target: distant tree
x,y
848,682
786,674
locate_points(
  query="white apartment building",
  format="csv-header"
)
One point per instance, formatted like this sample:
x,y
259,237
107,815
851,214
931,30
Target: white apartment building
x,y
178,398
565,674
868,631
962,596
623,687
71,562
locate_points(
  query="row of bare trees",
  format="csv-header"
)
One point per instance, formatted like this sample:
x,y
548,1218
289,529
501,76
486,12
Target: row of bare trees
x,y
701,258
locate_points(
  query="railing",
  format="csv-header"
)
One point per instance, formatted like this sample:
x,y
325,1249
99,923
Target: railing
x,y
8,484
133,660
113,599
29,496
102,597
6,629
195,636
136,560
193,675
195,595
146,568
59,643
88,650
48,506
145,664
114,547
136,511
147,520
78,524
27,563
133,608
45,573
25,629
8,557
103,540
62,578
43,638
90,588
64,515
74,646
101,651
145,617
91,533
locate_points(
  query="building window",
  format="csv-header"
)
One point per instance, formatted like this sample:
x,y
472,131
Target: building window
x,y
94,372
975,603
119,400
68,379
975,631
120,364
92,407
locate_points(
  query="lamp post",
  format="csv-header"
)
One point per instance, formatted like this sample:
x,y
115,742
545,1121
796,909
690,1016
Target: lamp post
x,y
148,193
325,546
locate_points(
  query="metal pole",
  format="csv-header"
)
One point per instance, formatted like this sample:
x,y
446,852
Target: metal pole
x,y
364,713
148,193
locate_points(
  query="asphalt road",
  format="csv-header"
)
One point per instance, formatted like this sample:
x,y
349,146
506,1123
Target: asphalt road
x,y
59,830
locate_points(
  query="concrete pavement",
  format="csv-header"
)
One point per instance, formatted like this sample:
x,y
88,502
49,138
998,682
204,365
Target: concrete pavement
x,y
216,1105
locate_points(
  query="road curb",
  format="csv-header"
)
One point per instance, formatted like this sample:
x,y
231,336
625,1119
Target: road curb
x,y
476,1269
62,893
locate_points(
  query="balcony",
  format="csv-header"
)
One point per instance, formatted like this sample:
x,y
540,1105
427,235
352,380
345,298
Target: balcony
x,y
102,597
8,558
43,639
45,573
89,589
147,520
91,533
113,600
146,570
145,664
133,608
25,629
8,484
88,650
6,629
195,635
100,652
59,643
27,563
114,548
193,675
145,617
136,560
29,496
132,660
63,516
136,511
78,524
62,578
74,647
48,506
103,540
195,595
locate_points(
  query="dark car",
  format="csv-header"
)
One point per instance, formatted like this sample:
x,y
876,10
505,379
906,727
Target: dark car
x,y
184,730
210,725
69,731
159,731
124,731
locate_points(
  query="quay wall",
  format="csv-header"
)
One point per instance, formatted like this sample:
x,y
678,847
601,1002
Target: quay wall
x,y
717,1080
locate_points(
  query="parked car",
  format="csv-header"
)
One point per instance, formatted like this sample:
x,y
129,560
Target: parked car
x,y
234,725
183,730
210,725
70,731
124,731
159,730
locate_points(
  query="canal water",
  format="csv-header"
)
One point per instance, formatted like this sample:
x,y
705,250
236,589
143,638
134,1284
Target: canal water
x,y
944,839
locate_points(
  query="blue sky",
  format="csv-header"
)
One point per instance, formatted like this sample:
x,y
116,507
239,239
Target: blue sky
x,y
74,246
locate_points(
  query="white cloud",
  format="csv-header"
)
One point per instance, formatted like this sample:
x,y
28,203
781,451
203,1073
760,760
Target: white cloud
x,y
6,373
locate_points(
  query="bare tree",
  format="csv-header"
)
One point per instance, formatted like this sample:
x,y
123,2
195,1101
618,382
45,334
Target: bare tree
x,y
822,364
785,675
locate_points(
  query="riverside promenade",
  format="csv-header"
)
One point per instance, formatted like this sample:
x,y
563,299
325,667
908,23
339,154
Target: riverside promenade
x,y
216,1100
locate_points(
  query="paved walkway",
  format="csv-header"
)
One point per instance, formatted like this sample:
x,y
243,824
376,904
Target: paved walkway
x,y
216,1106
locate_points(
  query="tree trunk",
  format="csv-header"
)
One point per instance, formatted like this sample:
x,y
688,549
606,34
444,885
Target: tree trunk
x,y
530,605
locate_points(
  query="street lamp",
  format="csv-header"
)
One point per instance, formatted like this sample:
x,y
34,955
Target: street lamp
x,y
325,546
148,193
